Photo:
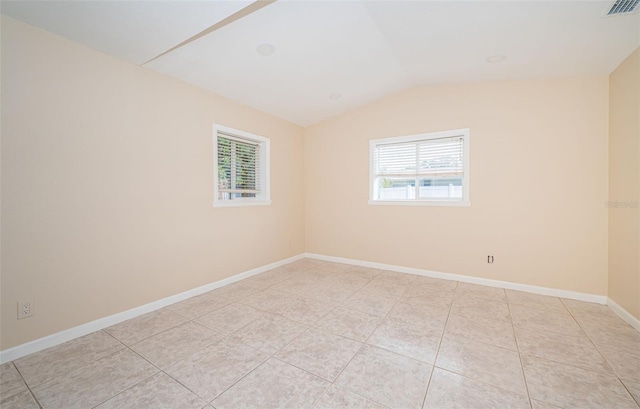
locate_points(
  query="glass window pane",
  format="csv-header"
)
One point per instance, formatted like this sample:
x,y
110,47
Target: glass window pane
x,y
432,188
396,188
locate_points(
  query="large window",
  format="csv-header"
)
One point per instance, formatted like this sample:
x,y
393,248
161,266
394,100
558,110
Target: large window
x,y
430,169
241,168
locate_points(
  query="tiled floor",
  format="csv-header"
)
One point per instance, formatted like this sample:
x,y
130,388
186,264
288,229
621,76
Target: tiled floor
x,y
318,335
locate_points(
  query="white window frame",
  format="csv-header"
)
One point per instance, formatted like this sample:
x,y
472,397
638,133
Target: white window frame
x,y
465,201
264,197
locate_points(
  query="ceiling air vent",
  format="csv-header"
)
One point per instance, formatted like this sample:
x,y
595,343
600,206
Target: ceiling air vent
x,y
623,7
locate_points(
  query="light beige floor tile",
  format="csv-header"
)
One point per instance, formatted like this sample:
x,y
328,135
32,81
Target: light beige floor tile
x,y
238,290
11,382
396,277
174,345
364,272
483,292
293,268
194,307
633,388
349,323
385,288
436,283
212,370
535,404
433,302
95,382
539,320
268,300
296,285
305,310
369,303
158,391
567,386
336,398
145,326
385,377
571,350
299,265
349,280
352,279
536,301
269,334
332,293
329,265
420,312
408,340
22,400
625,362
489,331
318,278
274,384
448,390
321,353
493,365
614,332
433,295
589,311
230,318
476,307
47,364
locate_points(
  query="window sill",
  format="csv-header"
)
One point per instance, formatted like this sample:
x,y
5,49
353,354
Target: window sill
x,y
239,203
420,203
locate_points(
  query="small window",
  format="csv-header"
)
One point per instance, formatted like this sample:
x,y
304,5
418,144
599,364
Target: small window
x,y
241,168
426,169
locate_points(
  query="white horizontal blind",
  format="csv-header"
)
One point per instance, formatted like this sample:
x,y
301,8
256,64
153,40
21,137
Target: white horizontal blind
x,y
441,157
238,167
427,158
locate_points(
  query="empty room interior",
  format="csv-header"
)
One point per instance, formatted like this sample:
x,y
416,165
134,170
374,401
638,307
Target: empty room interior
x,y
320,204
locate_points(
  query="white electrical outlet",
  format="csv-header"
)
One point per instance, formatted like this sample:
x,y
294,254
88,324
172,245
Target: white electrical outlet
x,y
26,309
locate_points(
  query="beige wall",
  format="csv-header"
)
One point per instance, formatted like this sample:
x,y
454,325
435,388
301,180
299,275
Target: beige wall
x,y
624,184
107,186
538,184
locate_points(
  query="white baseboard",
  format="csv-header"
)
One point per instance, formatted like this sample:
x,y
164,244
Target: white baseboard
x,y
93,326
554,292
624,314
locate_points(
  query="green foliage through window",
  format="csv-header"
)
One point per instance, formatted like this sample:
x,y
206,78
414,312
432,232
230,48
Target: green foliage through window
x,y
237,167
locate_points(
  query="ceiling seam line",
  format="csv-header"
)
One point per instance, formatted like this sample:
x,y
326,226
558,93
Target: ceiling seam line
x,y
251,8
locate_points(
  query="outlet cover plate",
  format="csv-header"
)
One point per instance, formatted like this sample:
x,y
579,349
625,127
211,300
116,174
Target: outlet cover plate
x,y
26,309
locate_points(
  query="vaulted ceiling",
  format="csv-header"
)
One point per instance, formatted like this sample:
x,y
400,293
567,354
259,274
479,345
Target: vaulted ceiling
x,y
328,57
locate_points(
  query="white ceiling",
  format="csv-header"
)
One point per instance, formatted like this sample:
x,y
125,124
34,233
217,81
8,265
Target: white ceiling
x,y
362,50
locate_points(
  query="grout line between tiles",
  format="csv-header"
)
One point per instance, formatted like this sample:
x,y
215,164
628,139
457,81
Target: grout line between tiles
x,y
482,381
629,392
204,347
594,345
152,335
239,379
137,383
435,359
524,375
25,384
